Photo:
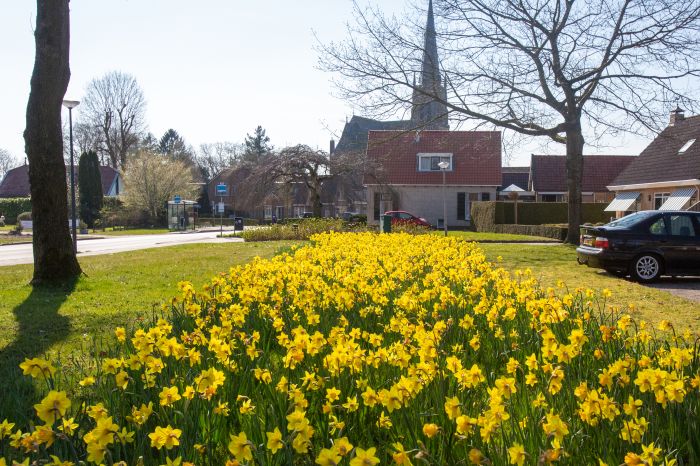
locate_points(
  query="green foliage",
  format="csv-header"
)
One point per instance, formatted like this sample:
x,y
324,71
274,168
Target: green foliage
x,y
24,217
546,231
12,207
486,214
257,145
89,188
301,229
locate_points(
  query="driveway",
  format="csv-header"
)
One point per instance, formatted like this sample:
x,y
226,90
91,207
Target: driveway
x,y
22,253
685,287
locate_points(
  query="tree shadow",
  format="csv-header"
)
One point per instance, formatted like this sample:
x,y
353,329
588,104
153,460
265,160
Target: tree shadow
x,y
40,326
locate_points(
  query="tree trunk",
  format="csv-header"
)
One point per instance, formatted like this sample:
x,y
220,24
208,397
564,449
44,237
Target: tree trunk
x,y
574,177
317,207
54,257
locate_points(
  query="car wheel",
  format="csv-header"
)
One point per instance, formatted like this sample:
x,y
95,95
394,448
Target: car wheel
x,y
646,268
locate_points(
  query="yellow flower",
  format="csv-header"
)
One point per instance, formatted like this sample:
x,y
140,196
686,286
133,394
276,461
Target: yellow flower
x,y
400,456
452,407
37,367
120,333
52,407
555,426
476,457
328,457
87,381
168,396
342,446
167,437
430,430
516,454
364,457
239,446
274,440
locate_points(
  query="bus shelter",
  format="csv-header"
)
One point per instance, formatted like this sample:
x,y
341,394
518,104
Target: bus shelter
x,y
182,215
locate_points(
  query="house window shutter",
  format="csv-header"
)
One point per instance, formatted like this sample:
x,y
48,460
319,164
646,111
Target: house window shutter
x,y
461,202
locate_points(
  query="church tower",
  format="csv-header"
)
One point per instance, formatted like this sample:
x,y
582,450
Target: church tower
x,y
425,112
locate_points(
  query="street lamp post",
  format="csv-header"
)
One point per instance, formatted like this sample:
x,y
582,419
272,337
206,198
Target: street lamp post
x,y
70,105
444,165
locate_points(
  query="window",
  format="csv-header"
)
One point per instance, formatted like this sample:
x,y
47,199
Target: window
x,y
681,225
658,227
549,198
375,208
429,162
659,199
485,196
686,146
268,211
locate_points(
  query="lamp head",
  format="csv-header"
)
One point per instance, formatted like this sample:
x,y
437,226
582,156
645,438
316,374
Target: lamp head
x,y
444,165
70,104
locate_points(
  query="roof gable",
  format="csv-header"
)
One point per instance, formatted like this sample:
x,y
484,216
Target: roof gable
x,y
660,161
16,181
548,172
476,157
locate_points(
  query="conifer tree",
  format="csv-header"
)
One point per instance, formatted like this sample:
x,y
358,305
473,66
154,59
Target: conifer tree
x,y
89,187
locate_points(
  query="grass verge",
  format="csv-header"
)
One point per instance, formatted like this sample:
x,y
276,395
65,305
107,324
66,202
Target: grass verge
x,y
497,237
553,263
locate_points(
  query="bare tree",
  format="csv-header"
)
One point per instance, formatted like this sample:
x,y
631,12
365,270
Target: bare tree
x,y
152,179
214,157
112,117
54,256
7,162
535,67
302,164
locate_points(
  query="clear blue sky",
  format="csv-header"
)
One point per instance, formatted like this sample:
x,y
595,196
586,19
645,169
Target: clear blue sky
x,y
212,70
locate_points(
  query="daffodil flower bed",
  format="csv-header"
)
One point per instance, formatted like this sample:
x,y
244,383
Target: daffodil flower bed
x,y
363,349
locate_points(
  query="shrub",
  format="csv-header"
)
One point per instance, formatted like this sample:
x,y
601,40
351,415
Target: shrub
x,y
12,207
383,347
303,229
24,217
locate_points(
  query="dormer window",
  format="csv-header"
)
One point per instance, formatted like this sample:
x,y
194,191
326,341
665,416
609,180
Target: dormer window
x,y
431,162
686,146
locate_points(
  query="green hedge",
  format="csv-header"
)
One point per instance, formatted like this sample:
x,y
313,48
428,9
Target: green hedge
x,y
546,231
12,207
487,214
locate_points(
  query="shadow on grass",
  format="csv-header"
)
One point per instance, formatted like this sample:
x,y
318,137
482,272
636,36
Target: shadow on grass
x,y
40,326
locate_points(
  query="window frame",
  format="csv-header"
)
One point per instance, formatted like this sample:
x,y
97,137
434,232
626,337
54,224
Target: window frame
x,y
435,155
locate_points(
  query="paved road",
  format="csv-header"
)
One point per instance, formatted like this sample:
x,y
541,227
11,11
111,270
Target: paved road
x,y
22,253
685,287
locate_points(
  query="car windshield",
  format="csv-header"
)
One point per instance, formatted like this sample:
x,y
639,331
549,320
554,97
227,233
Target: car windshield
x,y
630,219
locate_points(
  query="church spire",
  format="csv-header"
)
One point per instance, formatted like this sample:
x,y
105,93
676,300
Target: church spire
x,y
430,72
428,113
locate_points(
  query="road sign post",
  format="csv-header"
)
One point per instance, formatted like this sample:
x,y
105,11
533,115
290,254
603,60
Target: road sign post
x,y
221,190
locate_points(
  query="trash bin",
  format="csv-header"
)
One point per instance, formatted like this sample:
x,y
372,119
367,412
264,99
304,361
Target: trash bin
x,y
238,224
385,224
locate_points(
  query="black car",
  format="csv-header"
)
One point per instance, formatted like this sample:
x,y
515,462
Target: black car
x,y
645,245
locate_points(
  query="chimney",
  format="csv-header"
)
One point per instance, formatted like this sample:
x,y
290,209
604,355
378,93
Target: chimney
x,y
332,146
676,116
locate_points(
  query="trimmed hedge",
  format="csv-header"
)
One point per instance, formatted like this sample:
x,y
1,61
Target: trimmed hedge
x,y
545,231
487,214
12,207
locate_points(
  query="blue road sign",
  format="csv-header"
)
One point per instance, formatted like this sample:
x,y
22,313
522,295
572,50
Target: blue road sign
x,y
177,199
221,189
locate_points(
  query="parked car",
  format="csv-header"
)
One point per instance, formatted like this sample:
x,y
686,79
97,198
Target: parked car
x,y
399,217
347,216
645,245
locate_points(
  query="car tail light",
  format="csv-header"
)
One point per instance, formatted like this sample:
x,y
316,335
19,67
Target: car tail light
x,y
602,243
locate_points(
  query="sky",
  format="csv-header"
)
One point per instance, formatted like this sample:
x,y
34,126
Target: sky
x,y
212,70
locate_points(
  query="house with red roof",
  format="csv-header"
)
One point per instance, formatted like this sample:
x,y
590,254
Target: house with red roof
x,y
548,176
404,173
666,175
16,182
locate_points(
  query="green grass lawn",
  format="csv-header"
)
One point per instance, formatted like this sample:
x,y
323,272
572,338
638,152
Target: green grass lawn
x,y
495,237
551,263
115,289
12,239
131,231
